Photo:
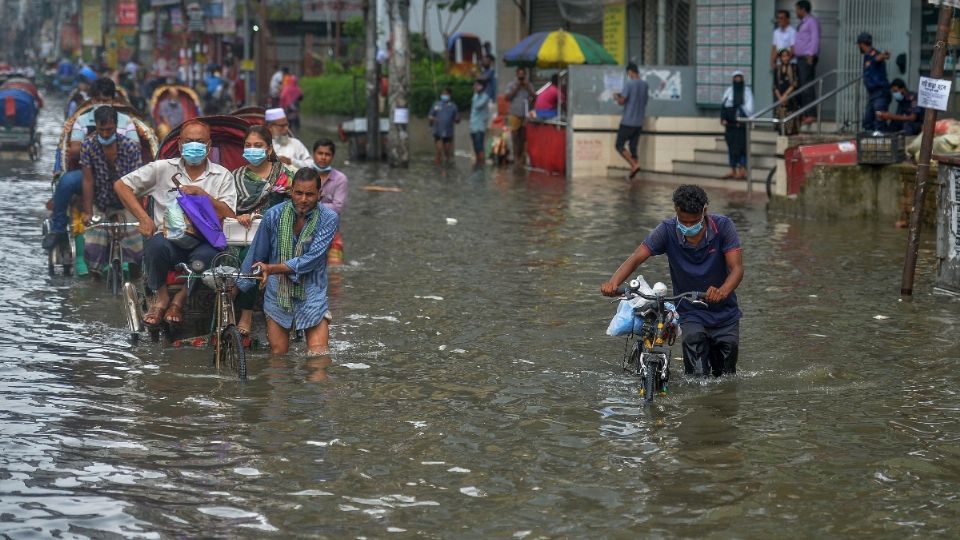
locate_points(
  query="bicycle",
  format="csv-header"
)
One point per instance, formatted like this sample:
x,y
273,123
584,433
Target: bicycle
x,y
650,357
118,272
228,343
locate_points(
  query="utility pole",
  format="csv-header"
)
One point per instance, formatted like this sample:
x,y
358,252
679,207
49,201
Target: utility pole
x,y
373,83
926,148
398,139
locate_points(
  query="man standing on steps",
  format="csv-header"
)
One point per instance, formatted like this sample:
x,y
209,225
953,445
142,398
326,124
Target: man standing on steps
x,y
633,99
875,80
806,48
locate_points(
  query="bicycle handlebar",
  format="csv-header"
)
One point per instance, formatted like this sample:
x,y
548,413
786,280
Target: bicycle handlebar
x,y
191,274
692,296
113,225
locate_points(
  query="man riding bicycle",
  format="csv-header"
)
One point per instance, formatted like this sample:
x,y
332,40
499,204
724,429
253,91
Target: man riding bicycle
x,y
705,255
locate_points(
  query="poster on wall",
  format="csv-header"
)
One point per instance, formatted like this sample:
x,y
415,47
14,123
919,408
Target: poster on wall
x,y
615,30
724,45
90,24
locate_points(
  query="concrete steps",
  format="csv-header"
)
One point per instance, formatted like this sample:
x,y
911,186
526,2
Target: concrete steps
x,y
719,157
713,170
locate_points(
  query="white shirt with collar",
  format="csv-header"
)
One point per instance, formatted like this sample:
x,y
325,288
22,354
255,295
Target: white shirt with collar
x,y
784,38
155,180
295,150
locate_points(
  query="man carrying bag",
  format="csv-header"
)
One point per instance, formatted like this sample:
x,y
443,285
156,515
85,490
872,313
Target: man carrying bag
x,y
191,195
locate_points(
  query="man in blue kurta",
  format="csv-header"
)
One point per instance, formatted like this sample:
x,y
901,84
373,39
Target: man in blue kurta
x,y
290,248
705,255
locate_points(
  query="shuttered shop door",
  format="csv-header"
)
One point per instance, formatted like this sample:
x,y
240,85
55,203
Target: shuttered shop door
x,y
545,16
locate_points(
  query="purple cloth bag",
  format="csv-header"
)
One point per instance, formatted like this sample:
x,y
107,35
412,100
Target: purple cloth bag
x,y
203,217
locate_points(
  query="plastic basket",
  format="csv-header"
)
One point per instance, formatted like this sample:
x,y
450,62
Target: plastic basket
x,y
880,148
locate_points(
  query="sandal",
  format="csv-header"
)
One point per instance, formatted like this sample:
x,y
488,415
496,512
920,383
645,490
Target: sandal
x,y
633,173
244,332
174,313
156,313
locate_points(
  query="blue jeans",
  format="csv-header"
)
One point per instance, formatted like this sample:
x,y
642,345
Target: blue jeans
x,y
70,184
879,101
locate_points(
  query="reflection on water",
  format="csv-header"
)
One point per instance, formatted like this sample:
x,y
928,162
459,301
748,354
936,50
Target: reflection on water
x,y
470,391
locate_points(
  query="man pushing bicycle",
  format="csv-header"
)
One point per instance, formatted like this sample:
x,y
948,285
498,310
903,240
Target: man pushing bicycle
x,y
705,255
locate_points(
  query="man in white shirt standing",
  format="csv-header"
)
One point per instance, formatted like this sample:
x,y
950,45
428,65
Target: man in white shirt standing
x,y
288,148
193,174
784,37
276,84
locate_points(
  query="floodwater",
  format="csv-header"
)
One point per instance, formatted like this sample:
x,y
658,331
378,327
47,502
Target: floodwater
x,y
473,393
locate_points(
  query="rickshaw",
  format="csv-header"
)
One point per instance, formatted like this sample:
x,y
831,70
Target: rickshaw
x,y
253,114
226,149
464,51
18,125
66,256
187,99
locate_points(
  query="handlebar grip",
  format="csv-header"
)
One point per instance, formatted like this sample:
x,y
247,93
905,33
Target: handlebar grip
x,y
620,291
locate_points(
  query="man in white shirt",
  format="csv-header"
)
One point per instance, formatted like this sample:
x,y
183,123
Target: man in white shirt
x,y
784,37
193,174
276,84
289,149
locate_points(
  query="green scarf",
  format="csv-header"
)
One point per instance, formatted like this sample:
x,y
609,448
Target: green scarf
x,y
288,290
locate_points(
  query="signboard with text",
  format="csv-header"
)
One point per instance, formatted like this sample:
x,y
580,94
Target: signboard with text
x,y
615,30
127,13
934,93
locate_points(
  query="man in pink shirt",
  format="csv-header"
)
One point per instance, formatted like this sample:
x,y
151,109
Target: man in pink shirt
x,y
806,48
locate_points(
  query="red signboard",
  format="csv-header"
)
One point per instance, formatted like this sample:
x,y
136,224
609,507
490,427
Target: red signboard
x,y
127,13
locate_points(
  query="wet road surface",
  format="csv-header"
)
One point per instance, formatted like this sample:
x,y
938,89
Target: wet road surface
x,y
473,393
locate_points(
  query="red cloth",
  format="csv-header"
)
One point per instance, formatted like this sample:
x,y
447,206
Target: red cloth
x,y
547,147
290,93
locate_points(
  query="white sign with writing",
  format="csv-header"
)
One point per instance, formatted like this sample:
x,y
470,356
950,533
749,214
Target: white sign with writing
x,y
401,116
934,93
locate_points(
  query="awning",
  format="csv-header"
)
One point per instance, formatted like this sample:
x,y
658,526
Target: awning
x,y
954,3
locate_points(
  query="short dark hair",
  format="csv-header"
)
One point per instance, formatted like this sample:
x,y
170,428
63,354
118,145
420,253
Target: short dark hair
x,y
898,83
447,90
327,143
555,79
104,114
690,199
804,5
104,88
308,174
633,67
784,12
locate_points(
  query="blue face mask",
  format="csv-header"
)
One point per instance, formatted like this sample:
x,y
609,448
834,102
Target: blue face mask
x,y
320,169
898,96
692,230
194,152
444,98
255,156
108,141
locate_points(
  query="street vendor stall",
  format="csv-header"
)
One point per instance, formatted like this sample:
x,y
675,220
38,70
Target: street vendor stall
x,y
546,142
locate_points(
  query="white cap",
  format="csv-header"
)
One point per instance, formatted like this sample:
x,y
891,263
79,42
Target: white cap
x,y
737,72
272,115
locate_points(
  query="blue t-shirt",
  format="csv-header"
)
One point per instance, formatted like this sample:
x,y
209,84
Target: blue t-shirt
x,y
635,95
444,115
875,72
697,268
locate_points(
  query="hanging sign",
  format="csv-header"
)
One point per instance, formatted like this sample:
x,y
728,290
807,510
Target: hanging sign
x,y
934,93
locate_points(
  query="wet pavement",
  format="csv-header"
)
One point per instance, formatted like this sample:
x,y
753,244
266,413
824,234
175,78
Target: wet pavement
x,y
472,392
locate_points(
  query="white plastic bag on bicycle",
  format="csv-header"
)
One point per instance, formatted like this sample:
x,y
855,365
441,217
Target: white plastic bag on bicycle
x,y
623,322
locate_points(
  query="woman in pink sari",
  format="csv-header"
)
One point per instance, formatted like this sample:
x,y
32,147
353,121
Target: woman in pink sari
x,y
290,96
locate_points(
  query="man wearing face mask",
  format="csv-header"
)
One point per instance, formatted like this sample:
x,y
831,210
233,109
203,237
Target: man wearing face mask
x,y
163,181
70,183
104,158
290,248
909,115
333,189
705,255
289,149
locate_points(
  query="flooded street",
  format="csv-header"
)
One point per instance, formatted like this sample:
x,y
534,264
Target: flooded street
x,y
473,393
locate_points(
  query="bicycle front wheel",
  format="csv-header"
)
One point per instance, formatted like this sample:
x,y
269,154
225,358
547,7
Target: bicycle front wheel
x,y
114,282
650,381
232,354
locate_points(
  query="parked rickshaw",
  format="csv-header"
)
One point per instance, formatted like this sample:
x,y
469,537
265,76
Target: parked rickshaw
x,y
171,105
21,104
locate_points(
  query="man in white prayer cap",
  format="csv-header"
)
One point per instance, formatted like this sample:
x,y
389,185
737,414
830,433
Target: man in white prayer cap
x,y
288,149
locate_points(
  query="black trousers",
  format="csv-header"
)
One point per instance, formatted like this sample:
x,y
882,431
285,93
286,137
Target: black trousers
x,y
161,255
806,73
710,351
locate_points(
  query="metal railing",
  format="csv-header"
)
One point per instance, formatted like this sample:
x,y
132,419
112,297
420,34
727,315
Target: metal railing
x,y
757,118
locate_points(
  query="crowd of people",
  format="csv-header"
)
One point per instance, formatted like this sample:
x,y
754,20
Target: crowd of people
x,y
295,195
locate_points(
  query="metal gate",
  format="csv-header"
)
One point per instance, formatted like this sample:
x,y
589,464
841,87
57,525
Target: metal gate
x,y
856,16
